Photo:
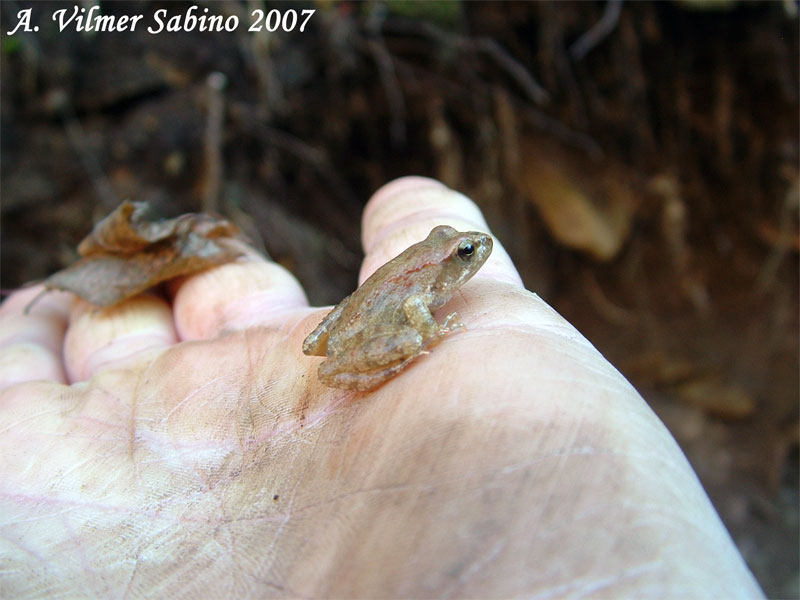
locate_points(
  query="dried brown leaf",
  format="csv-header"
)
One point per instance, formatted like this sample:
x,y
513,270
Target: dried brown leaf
x,y
125,254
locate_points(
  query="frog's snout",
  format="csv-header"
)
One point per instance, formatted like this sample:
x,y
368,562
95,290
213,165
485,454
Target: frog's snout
x,y
484,242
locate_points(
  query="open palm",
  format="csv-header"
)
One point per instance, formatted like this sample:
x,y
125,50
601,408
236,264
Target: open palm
x,y
187,449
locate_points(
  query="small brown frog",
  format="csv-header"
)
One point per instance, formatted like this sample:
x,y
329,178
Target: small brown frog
x,y
376,331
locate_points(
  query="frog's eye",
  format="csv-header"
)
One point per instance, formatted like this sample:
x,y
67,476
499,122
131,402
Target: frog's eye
x,y
466,249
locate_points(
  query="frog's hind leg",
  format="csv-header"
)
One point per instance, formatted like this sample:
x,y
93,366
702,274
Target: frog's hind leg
x,y
387,349
374,360
363,382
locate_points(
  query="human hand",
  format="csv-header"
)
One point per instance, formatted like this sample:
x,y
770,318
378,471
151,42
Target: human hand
x,y
187,449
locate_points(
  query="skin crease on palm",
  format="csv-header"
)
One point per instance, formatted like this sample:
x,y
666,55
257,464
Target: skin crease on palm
x,y
186,449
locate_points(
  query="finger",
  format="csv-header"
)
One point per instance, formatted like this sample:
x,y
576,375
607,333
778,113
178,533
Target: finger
x,y
404,211
252,291
100,338
31,344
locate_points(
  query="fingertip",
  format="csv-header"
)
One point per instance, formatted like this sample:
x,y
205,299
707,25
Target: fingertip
x,y
411,202
31,342
104,337
235,296
404,186
35,301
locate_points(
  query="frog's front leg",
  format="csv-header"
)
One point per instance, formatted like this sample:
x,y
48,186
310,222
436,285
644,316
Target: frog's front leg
x,y
421,319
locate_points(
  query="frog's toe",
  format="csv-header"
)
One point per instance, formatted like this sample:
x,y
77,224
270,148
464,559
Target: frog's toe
x,y
449,325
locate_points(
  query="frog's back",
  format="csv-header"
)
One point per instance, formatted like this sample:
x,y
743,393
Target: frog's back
x,y
372,306
378,302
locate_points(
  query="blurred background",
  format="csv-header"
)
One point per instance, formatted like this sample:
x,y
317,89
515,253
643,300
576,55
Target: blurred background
x,y
639,161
